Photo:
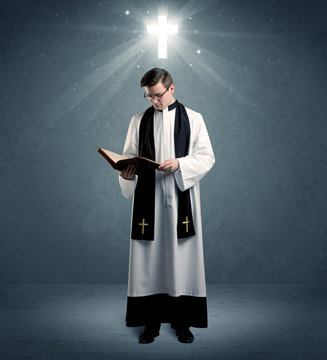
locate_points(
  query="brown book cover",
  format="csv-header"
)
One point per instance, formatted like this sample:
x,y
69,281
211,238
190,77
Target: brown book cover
x,y
119,162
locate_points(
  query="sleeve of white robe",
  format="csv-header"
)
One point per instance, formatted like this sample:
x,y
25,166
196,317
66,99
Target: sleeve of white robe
x,y
130,150
193,167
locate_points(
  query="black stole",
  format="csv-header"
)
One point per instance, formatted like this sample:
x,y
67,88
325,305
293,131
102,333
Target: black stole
x,y
144,196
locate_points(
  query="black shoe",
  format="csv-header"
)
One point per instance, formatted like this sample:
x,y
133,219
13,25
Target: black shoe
x,y
184,335
148,335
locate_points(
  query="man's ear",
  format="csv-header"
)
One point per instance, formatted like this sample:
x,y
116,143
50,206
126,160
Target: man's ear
x,y
172,88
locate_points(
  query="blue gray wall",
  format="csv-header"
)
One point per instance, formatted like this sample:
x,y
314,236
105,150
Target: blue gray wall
x,y
70,75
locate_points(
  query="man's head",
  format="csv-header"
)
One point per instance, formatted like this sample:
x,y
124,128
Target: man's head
x,y
159,88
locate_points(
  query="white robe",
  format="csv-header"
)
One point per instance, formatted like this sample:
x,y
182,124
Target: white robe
x,y
168,265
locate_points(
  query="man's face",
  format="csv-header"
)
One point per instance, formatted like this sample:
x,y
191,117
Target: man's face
x,y
160,103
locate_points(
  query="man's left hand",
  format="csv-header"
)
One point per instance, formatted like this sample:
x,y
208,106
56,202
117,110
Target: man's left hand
x,y
169,165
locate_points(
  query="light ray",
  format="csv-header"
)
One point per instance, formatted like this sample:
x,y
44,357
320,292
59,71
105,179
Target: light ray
x,y
97,77
120,7
190,50
192,8
112,70
69,99
87,28
105,56
207,70
231,35
118,79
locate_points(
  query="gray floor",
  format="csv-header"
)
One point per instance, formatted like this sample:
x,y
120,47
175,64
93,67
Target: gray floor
x,y
87,322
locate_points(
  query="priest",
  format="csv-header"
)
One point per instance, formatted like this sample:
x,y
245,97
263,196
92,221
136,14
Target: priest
x,y
166,280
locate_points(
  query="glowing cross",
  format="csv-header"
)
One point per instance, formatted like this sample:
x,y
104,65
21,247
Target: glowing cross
x,y
162,29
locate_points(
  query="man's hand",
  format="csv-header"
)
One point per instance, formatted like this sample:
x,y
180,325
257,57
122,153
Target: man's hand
x,y
128,173
169,165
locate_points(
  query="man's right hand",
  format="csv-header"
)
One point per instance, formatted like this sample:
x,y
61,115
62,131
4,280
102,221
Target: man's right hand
x,y
128,173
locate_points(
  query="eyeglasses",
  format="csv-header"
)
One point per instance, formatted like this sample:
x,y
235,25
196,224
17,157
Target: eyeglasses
x,y
155,97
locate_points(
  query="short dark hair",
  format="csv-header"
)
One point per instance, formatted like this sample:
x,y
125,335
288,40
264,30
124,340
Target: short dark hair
x,y
154,76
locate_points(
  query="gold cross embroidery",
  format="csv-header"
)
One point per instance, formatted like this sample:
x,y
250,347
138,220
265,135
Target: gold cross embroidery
x,y
143,224
186,222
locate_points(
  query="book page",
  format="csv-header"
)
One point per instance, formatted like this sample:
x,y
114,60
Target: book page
x,y
115,157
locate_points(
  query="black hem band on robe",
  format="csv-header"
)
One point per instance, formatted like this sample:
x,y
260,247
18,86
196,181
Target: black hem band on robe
x,y
163,308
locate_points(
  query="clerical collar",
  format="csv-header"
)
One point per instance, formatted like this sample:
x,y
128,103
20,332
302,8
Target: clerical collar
x,y
171,107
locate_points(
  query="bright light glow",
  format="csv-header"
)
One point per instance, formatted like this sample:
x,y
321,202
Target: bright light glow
x,y
162,29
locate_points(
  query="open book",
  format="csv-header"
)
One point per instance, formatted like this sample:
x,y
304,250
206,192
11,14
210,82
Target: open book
x,y
119,162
